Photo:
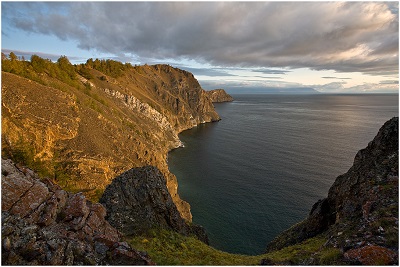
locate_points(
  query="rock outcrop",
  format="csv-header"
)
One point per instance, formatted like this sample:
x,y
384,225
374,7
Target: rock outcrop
x,y
219,96
138,200
44,225
360,214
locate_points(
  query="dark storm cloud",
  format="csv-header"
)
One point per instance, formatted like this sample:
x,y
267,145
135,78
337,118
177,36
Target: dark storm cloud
x,y
343,36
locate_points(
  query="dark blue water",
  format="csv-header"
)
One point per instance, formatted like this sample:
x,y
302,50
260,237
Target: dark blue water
x,y
261,168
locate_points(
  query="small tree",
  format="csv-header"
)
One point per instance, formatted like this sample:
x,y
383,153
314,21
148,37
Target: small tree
x,y
13,57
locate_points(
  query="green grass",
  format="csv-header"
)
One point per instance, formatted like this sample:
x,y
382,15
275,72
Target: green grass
x,y
170,248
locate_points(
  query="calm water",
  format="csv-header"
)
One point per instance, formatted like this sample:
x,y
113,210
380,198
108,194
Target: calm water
x,y
271,157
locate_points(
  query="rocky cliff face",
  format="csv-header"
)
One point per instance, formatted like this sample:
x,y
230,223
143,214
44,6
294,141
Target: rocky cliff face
x,y
219,95
45,225
360,214
138,200
85,131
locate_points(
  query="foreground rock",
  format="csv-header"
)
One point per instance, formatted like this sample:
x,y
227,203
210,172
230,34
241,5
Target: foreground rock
x,y
219,96
44,225
138,200
360,214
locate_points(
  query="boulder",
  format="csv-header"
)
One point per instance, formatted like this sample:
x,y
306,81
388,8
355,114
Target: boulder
x,y
138,200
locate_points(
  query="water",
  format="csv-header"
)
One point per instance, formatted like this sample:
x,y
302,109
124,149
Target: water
x,y
261,168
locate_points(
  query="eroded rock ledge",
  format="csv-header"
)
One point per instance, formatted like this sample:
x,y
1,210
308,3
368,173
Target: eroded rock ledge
x,y
44,225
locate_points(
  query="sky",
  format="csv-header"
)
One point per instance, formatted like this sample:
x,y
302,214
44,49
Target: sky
x,y
332,47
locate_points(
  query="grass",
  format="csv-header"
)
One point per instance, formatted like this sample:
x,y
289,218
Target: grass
x,y
170,248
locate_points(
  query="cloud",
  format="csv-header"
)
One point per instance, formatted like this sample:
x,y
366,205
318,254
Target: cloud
x,y
27,55
342,36
389,82
338,87
338,78
211,72
272,71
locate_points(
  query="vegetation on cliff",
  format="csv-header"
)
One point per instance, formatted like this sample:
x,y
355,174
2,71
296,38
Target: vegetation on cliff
x,y
219,95
82,125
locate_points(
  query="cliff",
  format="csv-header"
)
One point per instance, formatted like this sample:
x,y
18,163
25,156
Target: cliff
x,y
360,214
219,96
83,125
45,225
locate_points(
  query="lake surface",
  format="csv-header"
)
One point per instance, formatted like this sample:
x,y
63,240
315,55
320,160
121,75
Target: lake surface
x,y
261,168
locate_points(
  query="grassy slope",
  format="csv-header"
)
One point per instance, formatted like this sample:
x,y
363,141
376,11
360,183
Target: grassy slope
x,y
169,248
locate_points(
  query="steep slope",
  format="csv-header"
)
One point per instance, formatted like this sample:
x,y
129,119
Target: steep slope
x,y
360,214
82,127
219,96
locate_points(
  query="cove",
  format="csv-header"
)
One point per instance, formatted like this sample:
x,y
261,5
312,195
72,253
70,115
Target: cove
x,y
260,169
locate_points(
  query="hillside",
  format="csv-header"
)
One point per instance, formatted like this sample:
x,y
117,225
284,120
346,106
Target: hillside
x,y
219,95
84,125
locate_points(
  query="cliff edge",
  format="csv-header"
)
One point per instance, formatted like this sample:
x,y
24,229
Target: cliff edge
x,y
83,125
219,96
360,214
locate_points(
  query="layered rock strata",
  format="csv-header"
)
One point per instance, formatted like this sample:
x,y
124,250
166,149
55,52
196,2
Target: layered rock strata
x,y
44,225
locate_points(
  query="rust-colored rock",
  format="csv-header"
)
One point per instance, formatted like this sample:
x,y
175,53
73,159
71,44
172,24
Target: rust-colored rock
x,y
371,255
56,227
31,199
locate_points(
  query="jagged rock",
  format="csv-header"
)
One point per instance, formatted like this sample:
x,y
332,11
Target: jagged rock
x,y
44,225
138,200
359,202
219,95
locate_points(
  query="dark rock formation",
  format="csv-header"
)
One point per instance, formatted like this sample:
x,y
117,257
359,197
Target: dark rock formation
x,y
44,225
138,200
219,95
362,205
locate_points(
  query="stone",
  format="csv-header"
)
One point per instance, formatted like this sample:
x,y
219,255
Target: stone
x,y
63,228
138,200
371,255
